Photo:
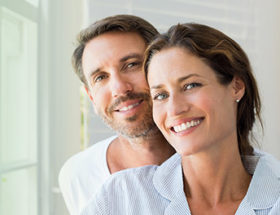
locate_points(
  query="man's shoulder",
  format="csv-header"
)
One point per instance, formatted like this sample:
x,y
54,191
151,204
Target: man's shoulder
x,y
89,158
83,174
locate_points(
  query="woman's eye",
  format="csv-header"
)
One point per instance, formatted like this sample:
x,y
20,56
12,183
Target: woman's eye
x,y
160,96
191,85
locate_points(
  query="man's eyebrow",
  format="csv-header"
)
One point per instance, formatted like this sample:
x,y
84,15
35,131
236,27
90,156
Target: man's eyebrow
x,y
92,73
179,80
133,55
123,59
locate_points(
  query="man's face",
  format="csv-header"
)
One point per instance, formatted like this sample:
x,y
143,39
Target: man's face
x,y
112,63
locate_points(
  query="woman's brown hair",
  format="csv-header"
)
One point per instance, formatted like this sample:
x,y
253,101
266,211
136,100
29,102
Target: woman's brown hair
x,y
226,58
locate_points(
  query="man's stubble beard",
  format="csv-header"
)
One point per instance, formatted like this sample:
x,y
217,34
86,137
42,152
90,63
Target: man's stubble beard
x,y
128,127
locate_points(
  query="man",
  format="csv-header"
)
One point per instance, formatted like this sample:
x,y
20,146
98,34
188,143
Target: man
x,y
108,60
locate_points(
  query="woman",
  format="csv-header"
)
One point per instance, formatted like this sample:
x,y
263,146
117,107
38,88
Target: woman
x,y
205,102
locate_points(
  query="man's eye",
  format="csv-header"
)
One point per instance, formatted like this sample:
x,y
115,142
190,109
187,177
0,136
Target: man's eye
x,y
160,96
191,85
133,64
99,78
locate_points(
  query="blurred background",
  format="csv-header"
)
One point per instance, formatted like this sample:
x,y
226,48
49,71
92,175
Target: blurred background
x,y
45,116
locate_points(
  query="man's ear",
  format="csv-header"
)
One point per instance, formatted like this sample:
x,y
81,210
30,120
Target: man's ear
x,y
238,88
88,92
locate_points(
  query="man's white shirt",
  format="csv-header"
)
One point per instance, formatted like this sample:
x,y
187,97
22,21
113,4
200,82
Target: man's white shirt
x,y
83,174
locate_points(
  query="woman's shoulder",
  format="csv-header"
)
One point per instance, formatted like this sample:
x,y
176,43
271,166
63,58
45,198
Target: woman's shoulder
x,y
262,159
143,175
263,194
131,177
271,162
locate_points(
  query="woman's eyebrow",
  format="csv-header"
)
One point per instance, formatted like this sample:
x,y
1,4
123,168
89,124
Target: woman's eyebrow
x,y
187,77
179,80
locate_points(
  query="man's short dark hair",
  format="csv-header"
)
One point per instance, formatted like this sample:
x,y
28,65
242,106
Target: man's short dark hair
x,y
118,23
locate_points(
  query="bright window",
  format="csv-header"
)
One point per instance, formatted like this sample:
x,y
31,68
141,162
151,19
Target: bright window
x,y
18,113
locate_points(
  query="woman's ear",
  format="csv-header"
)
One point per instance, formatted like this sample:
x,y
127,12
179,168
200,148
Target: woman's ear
x,y
238,88
88,92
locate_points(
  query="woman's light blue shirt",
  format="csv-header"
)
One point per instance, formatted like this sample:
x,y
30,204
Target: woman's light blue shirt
x,y
156,190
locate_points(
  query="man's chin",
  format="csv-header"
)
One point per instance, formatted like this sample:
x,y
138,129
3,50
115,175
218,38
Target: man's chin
x,y
132,133
139,130
135,126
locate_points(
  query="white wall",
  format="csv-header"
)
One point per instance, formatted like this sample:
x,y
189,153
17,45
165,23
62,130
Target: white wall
x,y
267,68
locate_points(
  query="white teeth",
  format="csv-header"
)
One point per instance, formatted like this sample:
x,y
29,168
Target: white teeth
x,y
128,107
185,126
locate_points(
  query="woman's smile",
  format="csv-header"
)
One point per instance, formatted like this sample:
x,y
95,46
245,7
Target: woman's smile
x,y
190,106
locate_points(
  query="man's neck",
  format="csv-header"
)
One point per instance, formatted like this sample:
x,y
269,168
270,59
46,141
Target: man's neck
x,y
124,153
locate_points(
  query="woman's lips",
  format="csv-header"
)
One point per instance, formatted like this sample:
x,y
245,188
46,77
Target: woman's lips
x,y
186,125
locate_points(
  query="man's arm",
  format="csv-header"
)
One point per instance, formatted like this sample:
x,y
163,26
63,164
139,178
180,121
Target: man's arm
x,y
66,188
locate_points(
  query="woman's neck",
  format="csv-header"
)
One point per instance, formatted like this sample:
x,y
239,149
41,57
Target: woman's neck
x,y
215,176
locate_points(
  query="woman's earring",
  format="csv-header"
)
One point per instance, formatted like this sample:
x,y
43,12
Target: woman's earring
x,y
237,100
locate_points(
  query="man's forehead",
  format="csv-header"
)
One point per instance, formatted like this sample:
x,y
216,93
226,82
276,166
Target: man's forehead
x,y
117,37
113,47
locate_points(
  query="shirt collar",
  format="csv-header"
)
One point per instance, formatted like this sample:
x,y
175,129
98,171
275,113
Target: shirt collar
x,y
168,181
263,191
168,178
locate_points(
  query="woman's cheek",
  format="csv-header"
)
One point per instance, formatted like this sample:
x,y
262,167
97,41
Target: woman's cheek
x,y
158,111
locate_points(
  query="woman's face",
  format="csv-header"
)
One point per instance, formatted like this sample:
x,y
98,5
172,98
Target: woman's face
x,y
190,107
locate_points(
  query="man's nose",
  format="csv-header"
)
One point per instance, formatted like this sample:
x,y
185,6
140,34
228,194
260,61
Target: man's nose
x,y
120,85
